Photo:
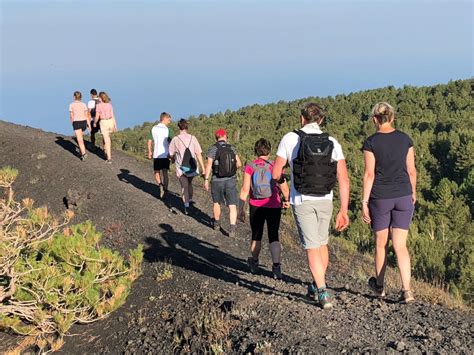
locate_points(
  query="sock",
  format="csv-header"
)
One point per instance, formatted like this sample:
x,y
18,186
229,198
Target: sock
x,y
186,204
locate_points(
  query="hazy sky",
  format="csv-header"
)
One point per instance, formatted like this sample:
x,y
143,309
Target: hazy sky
x,y
192,57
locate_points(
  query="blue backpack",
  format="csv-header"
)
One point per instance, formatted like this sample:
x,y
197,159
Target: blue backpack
x,y
262,182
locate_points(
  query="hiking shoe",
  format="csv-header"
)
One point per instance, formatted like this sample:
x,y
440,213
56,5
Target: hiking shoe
x,y
312,291
162,191
276,269
216,225
253,265
324,299
406,296
232,232
378,290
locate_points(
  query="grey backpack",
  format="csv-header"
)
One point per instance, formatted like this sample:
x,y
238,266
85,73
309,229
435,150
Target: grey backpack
x,y
262,183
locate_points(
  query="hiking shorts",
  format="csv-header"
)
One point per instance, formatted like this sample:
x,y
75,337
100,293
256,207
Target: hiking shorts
x,y
161,163
313,219
106,126
225,192
79,125
258,217
391,212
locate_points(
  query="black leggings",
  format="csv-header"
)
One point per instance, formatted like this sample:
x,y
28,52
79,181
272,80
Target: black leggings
x,y
258,216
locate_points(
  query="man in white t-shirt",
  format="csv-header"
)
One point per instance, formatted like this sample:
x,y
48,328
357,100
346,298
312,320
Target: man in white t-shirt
x,y
313,212
91,104
158,142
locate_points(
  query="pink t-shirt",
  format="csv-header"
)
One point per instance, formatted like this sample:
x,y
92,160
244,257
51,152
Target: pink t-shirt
x,y
79,111
272,202
104,110
177,147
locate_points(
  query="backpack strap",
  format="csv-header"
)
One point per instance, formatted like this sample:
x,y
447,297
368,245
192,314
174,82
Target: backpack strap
x,y
184,143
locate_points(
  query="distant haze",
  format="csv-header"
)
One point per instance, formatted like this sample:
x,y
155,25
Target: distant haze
x,y
192,57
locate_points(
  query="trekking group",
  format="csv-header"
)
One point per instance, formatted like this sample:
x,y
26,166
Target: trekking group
x,y
316,162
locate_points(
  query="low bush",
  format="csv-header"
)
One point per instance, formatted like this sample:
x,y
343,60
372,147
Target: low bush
x,y
52,275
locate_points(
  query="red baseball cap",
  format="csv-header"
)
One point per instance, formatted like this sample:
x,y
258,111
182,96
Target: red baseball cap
x,y
220,133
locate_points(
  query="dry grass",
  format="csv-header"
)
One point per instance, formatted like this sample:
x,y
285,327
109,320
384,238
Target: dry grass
x,y
165,271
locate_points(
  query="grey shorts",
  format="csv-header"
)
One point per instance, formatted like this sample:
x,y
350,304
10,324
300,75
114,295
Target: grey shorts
x,y
225,192
313,219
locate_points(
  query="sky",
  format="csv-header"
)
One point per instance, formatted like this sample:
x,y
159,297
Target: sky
x,y
193,57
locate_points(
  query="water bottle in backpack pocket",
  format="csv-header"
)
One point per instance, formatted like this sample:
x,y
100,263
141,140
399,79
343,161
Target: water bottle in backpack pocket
x,y
225,162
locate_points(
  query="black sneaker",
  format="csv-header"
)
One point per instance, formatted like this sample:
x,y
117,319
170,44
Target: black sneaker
x,y
216,225
253,265
185,211
378,290
276,269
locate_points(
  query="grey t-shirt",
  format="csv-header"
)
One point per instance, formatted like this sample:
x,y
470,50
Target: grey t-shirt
x,y
211,153
391,174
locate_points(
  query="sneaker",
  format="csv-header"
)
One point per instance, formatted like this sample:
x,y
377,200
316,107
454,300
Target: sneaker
x,y
162,191
406,296
232,232
253,265
83,157
185,210
324,299
378,290
312,291
276,269
109,161
216,225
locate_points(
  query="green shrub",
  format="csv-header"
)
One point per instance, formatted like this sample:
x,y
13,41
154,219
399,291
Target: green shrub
x,y
51,275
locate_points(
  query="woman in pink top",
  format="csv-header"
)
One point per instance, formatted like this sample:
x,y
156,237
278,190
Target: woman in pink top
x,y
186,167
265,205
79,116
104,113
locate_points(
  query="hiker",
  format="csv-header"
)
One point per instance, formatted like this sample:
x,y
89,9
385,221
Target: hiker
x,y
104,113
184,149
158,140
91,106
265,205
389,196
79,116
316,161
223,161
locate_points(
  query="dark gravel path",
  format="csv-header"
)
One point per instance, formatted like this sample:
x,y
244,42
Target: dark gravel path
x,y
207,300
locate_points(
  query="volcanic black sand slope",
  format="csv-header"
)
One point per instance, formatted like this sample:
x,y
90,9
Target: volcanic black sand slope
x,y
196,293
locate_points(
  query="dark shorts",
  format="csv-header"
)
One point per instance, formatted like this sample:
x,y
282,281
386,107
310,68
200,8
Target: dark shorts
x,y
391,212
225,192
161,163
258,217
82,125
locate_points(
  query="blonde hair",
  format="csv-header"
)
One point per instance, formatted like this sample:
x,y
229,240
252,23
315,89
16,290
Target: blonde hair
x,y
77,95
383,112
104,97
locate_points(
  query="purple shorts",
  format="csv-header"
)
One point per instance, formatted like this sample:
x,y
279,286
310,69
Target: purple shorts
x,y
391,212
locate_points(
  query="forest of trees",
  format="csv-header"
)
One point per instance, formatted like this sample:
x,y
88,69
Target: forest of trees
x,y
438,118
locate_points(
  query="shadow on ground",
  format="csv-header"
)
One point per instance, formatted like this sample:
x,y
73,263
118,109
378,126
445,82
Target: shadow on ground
x,y
171,200
196,255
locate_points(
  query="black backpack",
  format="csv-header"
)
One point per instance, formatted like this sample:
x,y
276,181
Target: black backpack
x,y
93,111
225,162
314,172
188,163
